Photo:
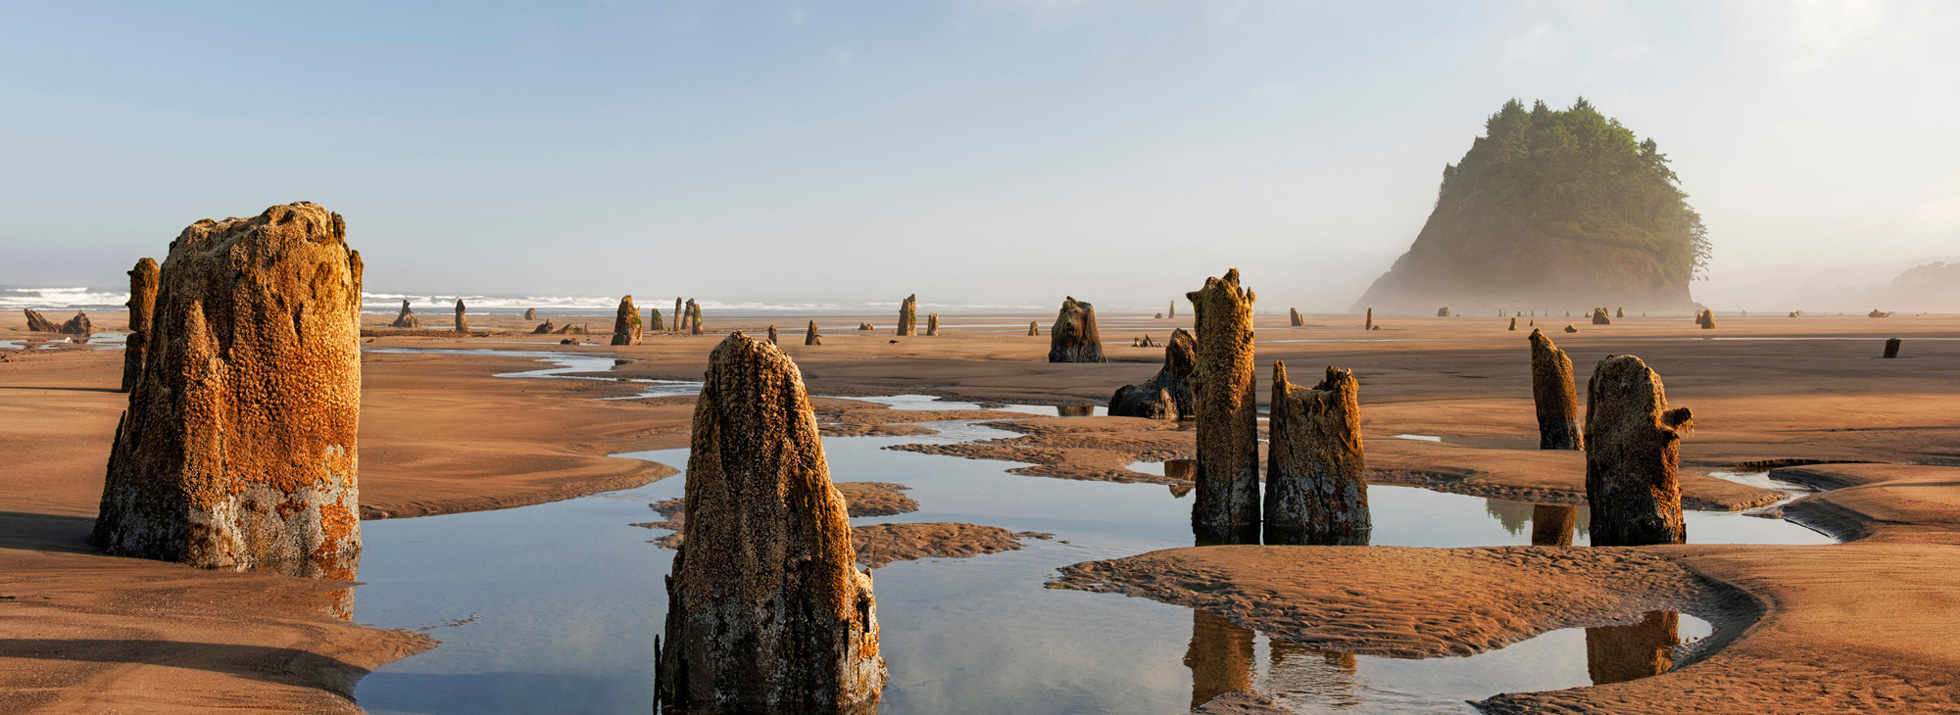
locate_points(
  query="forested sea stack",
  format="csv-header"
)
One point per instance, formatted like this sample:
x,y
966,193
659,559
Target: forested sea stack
x,y
1227,506
406,318
908,315
626,323
1166,396
142,300
1315,490
1548,207
1633,449
767,611
1074,337
1553,392
216,463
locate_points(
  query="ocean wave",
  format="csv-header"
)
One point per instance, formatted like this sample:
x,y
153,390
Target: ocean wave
x,y
13,298
83,298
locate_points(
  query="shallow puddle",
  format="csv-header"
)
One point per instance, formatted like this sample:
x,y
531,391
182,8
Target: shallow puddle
x,y
559,603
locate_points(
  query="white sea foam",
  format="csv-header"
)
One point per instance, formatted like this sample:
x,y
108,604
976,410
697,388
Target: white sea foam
x,y
15,298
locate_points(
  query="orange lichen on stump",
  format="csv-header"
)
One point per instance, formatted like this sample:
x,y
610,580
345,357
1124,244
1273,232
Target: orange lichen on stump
x,y
238,448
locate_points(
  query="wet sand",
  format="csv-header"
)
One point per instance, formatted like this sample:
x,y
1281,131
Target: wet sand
x,y
1844,626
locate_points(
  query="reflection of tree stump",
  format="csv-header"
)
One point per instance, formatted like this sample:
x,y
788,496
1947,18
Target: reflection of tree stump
x,y
1220,657
1616,654
1552,524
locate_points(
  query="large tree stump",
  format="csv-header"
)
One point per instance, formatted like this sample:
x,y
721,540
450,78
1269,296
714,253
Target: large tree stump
x,y
238,448
1633,444
767,612
1553,392
1316,492
1227,506
142,302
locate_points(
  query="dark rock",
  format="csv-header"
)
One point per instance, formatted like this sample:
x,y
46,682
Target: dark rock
x,y
530,313
1571,329
1074,337
1167,395
1876,313
1633,444
238,449
768,613
406,319
1316,492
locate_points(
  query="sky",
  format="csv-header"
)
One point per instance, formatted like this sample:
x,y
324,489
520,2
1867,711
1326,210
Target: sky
x,y
975,152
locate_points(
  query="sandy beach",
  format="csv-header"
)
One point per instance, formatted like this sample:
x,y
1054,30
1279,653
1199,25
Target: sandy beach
x,y
1860,625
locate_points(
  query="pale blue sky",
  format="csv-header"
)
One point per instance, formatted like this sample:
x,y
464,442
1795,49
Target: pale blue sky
x,y
971,151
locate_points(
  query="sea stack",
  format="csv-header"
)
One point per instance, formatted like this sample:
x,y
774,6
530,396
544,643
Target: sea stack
x,y
142,299
406,318
1599,317
1074,337
767,612
1227,505
462,321
811,337
1633,448
1315,490
1166,396
1552,390
932,324
626,323
772,334
908,315
530,313
1370,325
217,464
1892,348
1293,314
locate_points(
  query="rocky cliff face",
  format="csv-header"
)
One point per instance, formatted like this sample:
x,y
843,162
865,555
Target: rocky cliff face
x,y
1475,254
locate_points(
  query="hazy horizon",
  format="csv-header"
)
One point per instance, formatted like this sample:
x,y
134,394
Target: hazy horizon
x,y
973,152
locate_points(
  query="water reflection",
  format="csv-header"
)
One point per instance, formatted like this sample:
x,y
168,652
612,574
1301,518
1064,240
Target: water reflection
x,y
1553,524
1616,654
1220,657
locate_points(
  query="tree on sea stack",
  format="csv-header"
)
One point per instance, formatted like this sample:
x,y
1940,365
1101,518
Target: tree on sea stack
x,y
767,612
1552,207
1316,492
1227,506
1633,453
1074,337
142,301
238,448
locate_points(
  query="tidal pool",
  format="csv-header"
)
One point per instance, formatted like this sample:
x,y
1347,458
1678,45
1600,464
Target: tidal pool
x,y
554,607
